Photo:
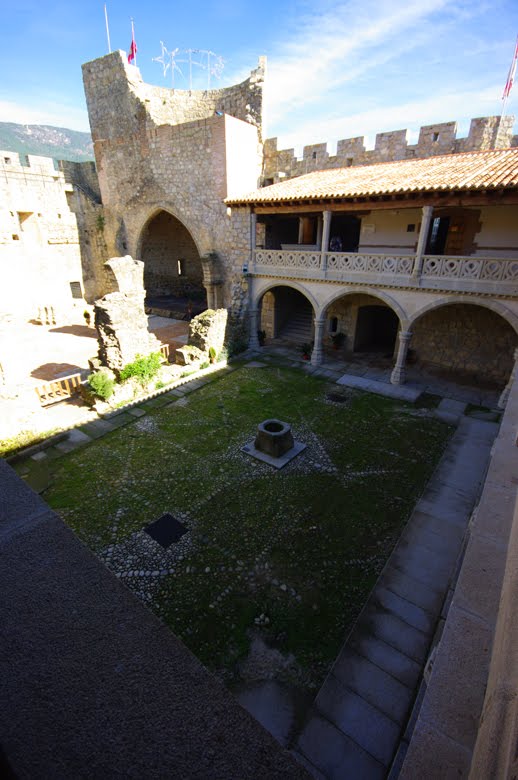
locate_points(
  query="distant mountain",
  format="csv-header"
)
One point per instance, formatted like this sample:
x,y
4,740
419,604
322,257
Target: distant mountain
x,y
57,142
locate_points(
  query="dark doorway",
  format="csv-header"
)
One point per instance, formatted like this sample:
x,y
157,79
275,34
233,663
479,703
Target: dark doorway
x,y
376,329
345,233
437,236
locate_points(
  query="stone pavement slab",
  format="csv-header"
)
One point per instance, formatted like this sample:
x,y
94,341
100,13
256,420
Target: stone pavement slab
x,y
402,392
378,688
390,660
137,411
368,726
454,407
337,756
396,632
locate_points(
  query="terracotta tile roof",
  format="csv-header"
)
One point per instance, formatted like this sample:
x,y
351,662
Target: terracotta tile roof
x,y
496,169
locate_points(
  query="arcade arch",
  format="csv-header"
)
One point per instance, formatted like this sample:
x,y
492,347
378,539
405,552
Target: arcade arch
x,y
465,342
286,313
361,322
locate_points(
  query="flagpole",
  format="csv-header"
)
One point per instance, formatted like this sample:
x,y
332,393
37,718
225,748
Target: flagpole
x,y
133,38
510,80
107,29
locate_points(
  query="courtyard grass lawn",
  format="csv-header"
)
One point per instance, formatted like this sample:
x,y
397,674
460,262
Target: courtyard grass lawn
x,y
292,554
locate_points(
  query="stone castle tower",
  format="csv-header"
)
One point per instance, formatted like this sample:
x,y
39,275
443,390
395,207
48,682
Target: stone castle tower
x,y
166,160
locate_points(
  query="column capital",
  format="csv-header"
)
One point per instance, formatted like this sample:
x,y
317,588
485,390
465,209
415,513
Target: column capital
x,y
406,335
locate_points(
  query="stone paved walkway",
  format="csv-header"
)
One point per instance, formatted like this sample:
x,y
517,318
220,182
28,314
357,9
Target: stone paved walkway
x,y
356,727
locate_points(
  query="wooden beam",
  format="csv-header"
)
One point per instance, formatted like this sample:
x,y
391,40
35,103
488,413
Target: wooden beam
x,y
439,200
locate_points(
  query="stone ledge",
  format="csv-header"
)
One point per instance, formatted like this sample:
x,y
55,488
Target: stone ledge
x,y
93,684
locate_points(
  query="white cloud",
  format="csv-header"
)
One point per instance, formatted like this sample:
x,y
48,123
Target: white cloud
x,y
51,113
411,115
335,45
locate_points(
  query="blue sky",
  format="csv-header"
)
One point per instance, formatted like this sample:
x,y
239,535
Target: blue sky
x,y
335,69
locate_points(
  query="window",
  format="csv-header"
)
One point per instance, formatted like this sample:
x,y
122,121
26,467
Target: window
x,y
410,228
75,289
435,137
181,267
314,155
349,161
333,324
7,160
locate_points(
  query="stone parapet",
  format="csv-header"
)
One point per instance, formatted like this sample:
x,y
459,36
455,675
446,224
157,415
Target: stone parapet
x,y
441,138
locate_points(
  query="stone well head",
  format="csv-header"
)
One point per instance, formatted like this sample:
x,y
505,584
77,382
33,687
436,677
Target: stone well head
x,y
274,438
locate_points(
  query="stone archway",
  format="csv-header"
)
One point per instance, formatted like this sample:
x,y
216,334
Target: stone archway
x,y
173,271
466,342
360,322
285,313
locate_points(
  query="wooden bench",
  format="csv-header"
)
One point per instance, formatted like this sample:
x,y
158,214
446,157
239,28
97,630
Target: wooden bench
x,y
59,389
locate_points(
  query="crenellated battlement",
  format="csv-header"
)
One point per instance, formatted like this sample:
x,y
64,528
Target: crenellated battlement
x,y
484,133
32,163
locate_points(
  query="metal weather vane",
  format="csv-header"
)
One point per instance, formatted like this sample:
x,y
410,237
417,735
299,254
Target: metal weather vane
x,y
203,58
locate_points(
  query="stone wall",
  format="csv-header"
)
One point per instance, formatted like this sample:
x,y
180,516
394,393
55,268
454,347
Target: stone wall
x,y
467,339
171,261
39,241
148,162
485,133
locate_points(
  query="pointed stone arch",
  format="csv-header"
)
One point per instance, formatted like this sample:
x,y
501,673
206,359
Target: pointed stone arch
x,y
174,266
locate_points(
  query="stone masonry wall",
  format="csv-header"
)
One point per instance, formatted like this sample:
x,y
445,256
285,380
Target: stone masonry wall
x,y
471,340
148,163
39,241
485,133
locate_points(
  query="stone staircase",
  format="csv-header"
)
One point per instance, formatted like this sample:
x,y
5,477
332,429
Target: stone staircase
x,y
298,330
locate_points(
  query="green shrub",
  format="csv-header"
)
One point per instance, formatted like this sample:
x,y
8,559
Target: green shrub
x,y
143,368
205,364
102,385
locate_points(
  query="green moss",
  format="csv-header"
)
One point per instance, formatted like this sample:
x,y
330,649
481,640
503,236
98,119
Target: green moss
x,y
323,527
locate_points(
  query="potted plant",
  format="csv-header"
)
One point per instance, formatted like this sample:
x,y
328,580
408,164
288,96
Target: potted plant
x,y
212,354
338,339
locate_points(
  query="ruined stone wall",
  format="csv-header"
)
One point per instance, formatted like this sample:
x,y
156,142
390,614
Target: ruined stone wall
x,y
39,242
484,133
471,340
147,162
92,243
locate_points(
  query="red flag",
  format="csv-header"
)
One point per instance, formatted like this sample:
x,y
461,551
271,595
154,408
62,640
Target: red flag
x,y
512,71
133,49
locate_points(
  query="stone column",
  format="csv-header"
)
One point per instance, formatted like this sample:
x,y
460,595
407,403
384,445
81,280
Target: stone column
x,y
318,352
398,373
325,240
253,341
421,242
253,236
210,295
502,401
